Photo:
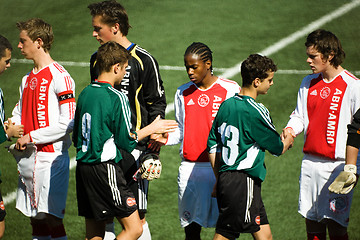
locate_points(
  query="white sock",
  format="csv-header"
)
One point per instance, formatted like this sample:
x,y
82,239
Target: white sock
x,y
60,238
109,231
146,232
41,237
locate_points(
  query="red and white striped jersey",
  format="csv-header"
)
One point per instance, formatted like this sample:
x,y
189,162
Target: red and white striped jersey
x,y
195,110
46,107
323,111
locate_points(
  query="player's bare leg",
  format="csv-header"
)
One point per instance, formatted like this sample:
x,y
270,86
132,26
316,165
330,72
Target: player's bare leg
x,y
146,231
264,233
132,227
94,229
2,228
218,236
192,231
315,230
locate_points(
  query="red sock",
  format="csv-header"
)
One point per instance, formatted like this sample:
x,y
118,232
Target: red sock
x,y
344,237
58,231
316,236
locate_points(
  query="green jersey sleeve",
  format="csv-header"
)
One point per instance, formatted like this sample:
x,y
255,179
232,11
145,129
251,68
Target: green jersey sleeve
x,y
263,131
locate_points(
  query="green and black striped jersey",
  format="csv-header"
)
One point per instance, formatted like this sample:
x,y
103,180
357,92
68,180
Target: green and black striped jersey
x,y
102,124
242,130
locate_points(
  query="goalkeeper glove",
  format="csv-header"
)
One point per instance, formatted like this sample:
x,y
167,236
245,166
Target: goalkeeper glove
x,y
150,168
345,181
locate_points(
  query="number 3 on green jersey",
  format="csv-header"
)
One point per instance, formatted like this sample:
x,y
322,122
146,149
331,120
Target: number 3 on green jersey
x,y
230,139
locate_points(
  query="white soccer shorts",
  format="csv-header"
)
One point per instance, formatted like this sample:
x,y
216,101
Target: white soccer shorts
x,y
316,202
195,185
50,182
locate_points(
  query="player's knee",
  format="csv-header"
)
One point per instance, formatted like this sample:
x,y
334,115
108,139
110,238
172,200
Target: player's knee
x,y
137,230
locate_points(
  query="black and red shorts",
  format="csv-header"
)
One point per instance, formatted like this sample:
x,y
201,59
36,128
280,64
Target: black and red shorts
x,y
102,192
241,209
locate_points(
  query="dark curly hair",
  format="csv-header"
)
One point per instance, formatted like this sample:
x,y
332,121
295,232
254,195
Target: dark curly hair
x,y
256,66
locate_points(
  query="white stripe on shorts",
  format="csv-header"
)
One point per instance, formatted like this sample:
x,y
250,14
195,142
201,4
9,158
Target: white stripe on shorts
x,y
143,184
250,196
113,185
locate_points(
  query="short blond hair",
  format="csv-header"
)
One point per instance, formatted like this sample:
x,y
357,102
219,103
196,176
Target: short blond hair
x,y
38,28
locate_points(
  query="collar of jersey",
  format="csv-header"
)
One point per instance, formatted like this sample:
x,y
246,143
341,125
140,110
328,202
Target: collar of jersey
x,y
104,82
131,45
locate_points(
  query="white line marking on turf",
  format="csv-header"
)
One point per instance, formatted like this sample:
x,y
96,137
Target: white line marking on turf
x,y
173,68
298,34
228,72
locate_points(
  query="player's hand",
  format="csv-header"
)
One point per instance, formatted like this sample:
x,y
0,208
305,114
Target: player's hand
x,y
345,181
13,130
163,126
21,142
288,140
151,167
157,141
286,131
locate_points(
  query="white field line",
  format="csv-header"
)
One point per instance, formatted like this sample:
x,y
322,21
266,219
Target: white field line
x,y
174,68
298,34
229,72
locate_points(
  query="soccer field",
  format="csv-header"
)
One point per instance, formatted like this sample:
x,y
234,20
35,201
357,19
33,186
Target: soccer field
x,y
233,29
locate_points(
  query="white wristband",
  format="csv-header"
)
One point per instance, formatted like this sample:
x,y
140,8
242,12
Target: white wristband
x,y
350,168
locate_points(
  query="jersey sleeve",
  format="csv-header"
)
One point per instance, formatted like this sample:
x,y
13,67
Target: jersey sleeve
x,y
154,93
64,89
177,136
297,117
354,131
16,113
264,133
122,128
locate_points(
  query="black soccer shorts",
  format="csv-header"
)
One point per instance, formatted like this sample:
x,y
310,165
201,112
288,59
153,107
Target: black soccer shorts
x,y
2,209
102,192
241,209
129,166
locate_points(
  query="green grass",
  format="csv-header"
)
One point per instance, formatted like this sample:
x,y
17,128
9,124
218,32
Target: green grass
x,y
233,29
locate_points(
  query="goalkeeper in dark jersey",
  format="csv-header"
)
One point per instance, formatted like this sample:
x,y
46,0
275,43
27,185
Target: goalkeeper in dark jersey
x,y
142,84
102,127
241,132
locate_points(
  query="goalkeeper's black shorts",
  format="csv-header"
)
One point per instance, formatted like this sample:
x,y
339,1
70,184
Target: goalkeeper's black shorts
x,y
241,209
130,165
102,192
